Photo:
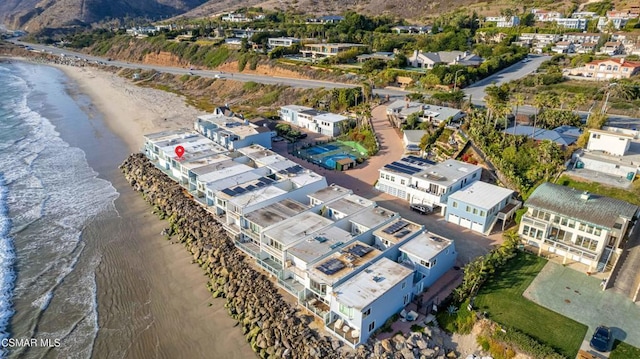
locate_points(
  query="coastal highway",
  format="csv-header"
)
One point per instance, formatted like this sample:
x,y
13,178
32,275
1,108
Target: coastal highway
x,y
476,92
263,79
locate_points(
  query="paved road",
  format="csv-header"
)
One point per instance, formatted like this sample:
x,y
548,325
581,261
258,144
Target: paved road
x,y
518,70
263,79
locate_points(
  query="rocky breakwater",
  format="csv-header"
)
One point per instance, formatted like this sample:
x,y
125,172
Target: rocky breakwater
x,y
273,328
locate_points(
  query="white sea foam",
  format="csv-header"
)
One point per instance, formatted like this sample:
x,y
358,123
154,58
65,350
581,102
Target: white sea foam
x,y
53,194
7,273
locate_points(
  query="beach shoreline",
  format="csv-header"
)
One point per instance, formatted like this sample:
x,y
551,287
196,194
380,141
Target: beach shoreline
x,y
151,297
131,111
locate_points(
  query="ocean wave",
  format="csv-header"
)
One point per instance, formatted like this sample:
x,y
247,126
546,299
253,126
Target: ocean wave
x,y
7,273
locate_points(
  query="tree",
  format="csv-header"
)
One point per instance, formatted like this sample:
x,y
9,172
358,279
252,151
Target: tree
x,y
517,101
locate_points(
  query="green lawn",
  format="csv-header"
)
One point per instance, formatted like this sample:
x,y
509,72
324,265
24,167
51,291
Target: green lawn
x,y
632,195
501,296
624,351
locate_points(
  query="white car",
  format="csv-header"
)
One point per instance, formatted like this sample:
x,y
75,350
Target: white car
x,y
218,76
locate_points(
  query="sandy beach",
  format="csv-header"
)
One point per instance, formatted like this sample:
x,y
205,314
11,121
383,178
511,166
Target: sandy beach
x,y
131,111
151,298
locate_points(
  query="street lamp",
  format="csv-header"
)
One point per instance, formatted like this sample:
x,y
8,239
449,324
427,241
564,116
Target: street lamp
x,y
455,80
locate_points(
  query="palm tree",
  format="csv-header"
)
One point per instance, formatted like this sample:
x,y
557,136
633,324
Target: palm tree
x,y
538,101
517,101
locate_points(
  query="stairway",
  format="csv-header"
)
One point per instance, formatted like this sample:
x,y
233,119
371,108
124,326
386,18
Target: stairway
x,y
626,274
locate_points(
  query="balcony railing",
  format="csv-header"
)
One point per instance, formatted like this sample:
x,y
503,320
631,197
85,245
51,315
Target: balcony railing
x,y
344,332
318,308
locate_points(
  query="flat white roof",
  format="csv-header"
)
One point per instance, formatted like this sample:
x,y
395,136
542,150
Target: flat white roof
x,y
350,204
295,228
207,164
371,283
398,230
481,194
220,184
320,243
275,213
330,193
447,173
297,108
372,217
256,196
330,117
425,245
225,170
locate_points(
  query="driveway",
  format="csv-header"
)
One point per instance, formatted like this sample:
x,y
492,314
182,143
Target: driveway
x,y
361,179
518,70
580,297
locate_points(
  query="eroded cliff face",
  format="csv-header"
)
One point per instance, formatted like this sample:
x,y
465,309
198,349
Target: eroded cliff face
x,y
164,58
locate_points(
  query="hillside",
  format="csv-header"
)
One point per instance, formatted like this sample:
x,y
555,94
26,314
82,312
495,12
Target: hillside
x,y
34,15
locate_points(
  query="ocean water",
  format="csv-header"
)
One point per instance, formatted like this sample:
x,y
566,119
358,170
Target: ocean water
x,y
48,195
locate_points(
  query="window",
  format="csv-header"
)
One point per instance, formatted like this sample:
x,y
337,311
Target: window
x,y
590,244
582,227
402,182
564,221
475,211
404,285
406,299
481,213
455,204
366,313
372,326
590,229
468,209
525,230
597,232
556,219
474,175
572,223
346,310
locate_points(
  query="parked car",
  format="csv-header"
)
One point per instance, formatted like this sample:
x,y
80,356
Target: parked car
x,y
277,139
421,209
303,135
601,339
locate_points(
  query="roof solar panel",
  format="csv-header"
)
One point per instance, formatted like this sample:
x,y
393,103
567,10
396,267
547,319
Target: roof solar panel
x,y
359,250
331,266
260,184
229,192
250,188
239,190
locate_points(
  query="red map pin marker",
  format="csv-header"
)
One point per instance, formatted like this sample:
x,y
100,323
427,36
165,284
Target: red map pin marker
x,y
179,151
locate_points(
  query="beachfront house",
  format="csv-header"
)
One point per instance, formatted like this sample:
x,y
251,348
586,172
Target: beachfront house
x,y
199,151
575,225
363,303
274,42
426,185
232,132
430,255
399,110
480,205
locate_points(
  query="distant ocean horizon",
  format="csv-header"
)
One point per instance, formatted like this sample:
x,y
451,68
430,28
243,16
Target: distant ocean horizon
x,y
48,195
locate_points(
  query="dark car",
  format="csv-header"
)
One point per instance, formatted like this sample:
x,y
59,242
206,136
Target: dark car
x,y
303,135
601,339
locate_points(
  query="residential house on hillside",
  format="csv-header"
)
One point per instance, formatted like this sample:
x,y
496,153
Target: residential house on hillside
x,y
544,15
325,19
428,60
412,138
581,37
612,151
320,51
384,56
282,42
233,17
569,23
611,48
583,15
563,47
412,29
617,68
480,205
578,226
504,21
615,19
537,41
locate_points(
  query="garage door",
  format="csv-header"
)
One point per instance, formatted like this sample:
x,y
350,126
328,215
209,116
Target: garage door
x,y
465,223
477,227
454,219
